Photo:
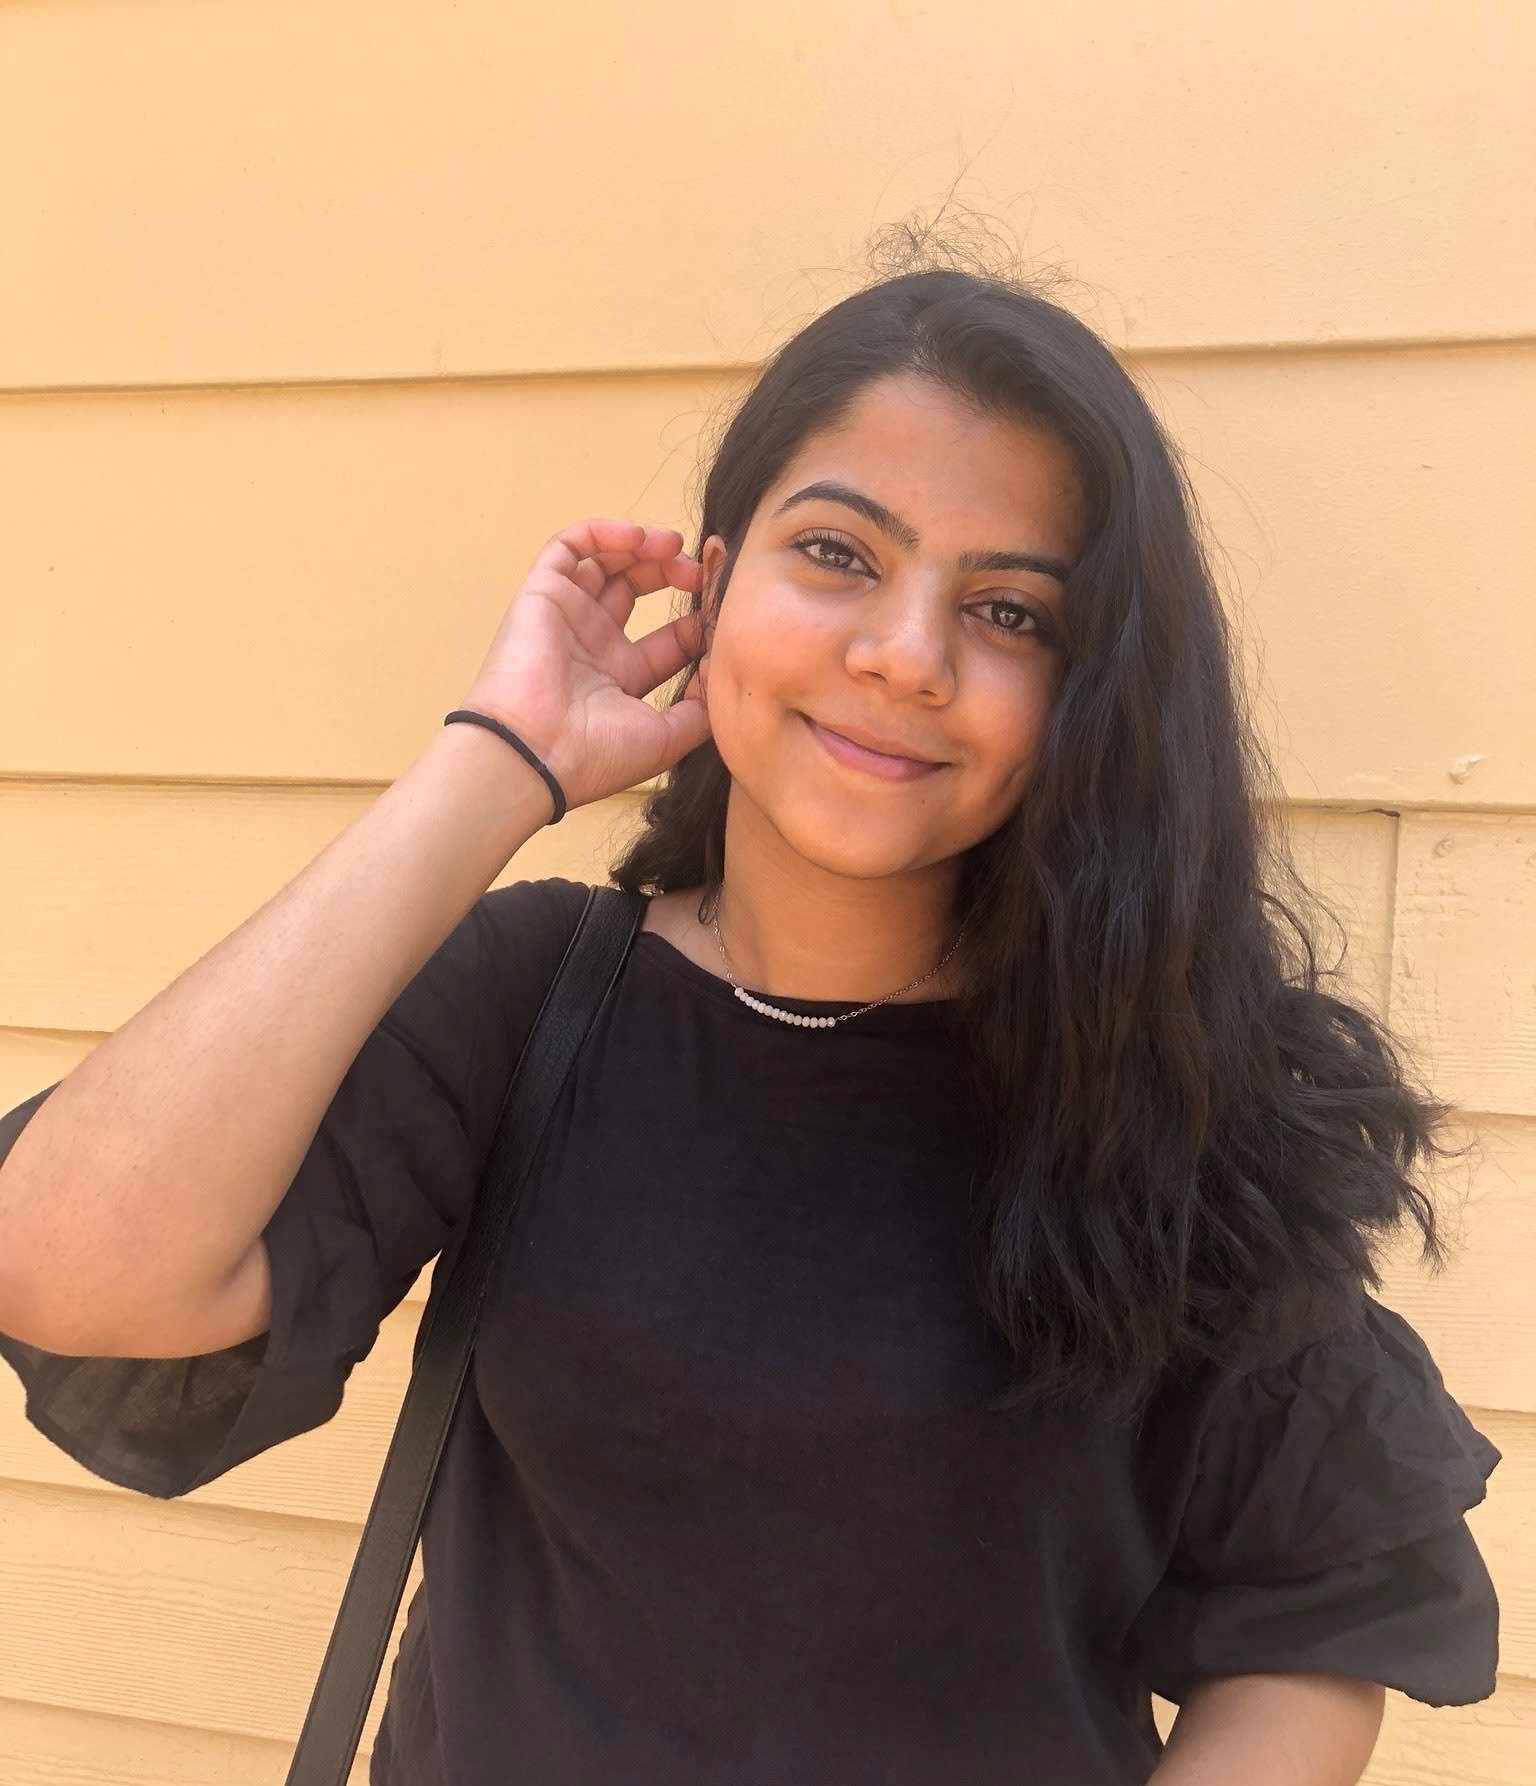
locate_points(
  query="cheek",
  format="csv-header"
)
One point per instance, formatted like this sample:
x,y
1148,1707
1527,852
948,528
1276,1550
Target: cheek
x,y
1007,722
762,654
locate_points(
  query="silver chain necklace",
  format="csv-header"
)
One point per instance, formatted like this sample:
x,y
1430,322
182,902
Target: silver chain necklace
x,y
797,1018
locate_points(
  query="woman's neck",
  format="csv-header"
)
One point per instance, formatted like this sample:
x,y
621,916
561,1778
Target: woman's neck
x,y
796,930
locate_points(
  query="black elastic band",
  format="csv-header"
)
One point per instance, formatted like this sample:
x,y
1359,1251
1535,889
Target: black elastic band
x,y
495,725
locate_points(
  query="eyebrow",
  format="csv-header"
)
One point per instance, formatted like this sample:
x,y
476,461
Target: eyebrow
x,y
904,534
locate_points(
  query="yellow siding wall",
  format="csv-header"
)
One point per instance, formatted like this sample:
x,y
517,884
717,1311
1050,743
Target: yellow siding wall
x,y
320,315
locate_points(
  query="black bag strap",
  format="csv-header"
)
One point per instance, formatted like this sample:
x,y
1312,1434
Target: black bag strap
x,y
445,1339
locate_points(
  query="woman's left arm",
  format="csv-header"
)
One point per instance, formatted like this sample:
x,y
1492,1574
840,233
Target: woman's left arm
x,y
1273,1730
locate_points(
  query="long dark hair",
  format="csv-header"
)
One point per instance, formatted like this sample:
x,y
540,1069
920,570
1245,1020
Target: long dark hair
x,y
1189,1116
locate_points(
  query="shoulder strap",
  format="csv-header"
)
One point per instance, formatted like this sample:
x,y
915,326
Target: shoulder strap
x,y
344,1690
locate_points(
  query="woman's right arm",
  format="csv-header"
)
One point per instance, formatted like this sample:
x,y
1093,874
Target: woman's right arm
x,y
133,1202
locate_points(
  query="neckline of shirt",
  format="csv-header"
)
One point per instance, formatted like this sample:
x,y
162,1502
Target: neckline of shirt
x,y
652,946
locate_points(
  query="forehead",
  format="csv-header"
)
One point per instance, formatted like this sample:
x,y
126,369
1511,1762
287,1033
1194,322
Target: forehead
x,y
961,478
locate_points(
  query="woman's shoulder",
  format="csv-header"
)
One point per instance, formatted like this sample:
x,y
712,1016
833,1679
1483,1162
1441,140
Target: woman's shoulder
x,y
526,927
528,910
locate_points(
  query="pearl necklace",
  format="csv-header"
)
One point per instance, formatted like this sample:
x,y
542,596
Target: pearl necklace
x,y
800,1019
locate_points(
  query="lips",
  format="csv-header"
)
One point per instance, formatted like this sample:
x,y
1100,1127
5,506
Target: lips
x,y
883,764
881,746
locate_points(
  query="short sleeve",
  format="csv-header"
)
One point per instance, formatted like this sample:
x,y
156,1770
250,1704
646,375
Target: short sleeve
x,y
1324,1529
388,1179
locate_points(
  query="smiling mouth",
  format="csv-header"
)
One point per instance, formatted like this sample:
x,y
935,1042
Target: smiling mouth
x,y
859,756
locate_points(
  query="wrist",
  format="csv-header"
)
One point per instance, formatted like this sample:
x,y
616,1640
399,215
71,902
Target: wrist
x,y
500,783
515,741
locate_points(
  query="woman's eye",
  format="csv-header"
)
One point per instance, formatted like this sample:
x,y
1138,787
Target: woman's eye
x,y
1035,627
833,544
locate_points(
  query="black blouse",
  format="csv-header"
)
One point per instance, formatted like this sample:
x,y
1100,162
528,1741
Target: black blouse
x,y
726,1500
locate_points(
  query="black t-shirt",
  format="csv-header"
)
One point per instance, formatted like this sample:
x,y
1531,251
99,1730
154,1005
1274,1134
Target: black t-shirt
x,y
725,1501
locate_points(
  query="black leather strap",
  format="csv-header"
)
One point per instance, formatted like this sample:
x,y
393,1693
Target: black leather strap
x,y
445,1340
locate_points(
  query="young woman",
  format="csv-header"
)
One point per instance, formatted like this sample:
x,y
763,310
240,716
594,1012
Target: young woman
x,y
901,1371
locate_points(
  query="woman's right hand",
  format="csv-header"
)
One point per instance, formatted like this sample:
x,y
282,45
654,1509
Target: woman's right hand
x,y
562,674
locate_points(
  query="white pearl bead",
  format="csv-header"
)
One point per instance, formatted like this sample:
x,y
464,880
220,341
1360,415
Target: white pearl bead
x,y
800,1020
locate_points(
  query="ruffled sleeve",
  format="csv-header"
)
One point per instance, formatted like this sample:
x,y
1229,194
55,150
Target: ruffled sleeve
x,y
386,1183
1323,1531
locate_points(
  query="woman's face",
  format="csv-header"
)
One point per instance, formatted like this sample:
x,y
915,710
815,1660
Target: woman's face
x,y
881,630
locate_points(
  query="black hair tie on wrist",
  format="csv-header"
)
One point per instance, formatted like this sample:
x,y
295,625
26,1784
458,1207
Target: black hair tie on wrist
x,y
495,725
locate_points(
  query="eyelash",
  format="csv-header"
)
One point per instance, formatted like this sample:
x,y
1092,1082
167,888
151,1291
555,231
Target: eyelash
x,y
1041,629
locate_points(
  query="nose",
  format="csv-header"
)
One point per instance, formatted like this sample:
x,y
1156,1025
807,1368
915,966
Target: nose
x,y
901,637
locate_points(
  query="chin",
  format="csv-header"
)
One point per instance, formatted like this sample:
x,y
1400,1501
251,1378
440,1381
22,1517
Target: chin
x,y
859,844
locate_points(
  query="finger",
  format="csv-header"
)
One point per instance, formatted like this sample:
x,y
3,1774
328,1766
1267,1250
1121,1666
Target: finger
x,y
625,584
644,576
659,570
617,593
684,572
589,577
658,543
575,554
615,562
662,653
648,556
622,586
589,539
686,728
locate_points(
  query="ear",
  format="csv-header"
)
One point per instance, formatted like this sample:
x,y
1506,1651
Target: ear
x,y
712,559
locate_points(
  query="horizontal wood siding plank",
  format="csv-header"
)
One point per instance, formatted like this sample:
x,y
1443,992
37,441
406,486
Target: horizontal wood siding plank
x,y
223,219
1464,954
170,1611
1389,664
296,585
1478,1316
46,1745
111,892
1345,860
